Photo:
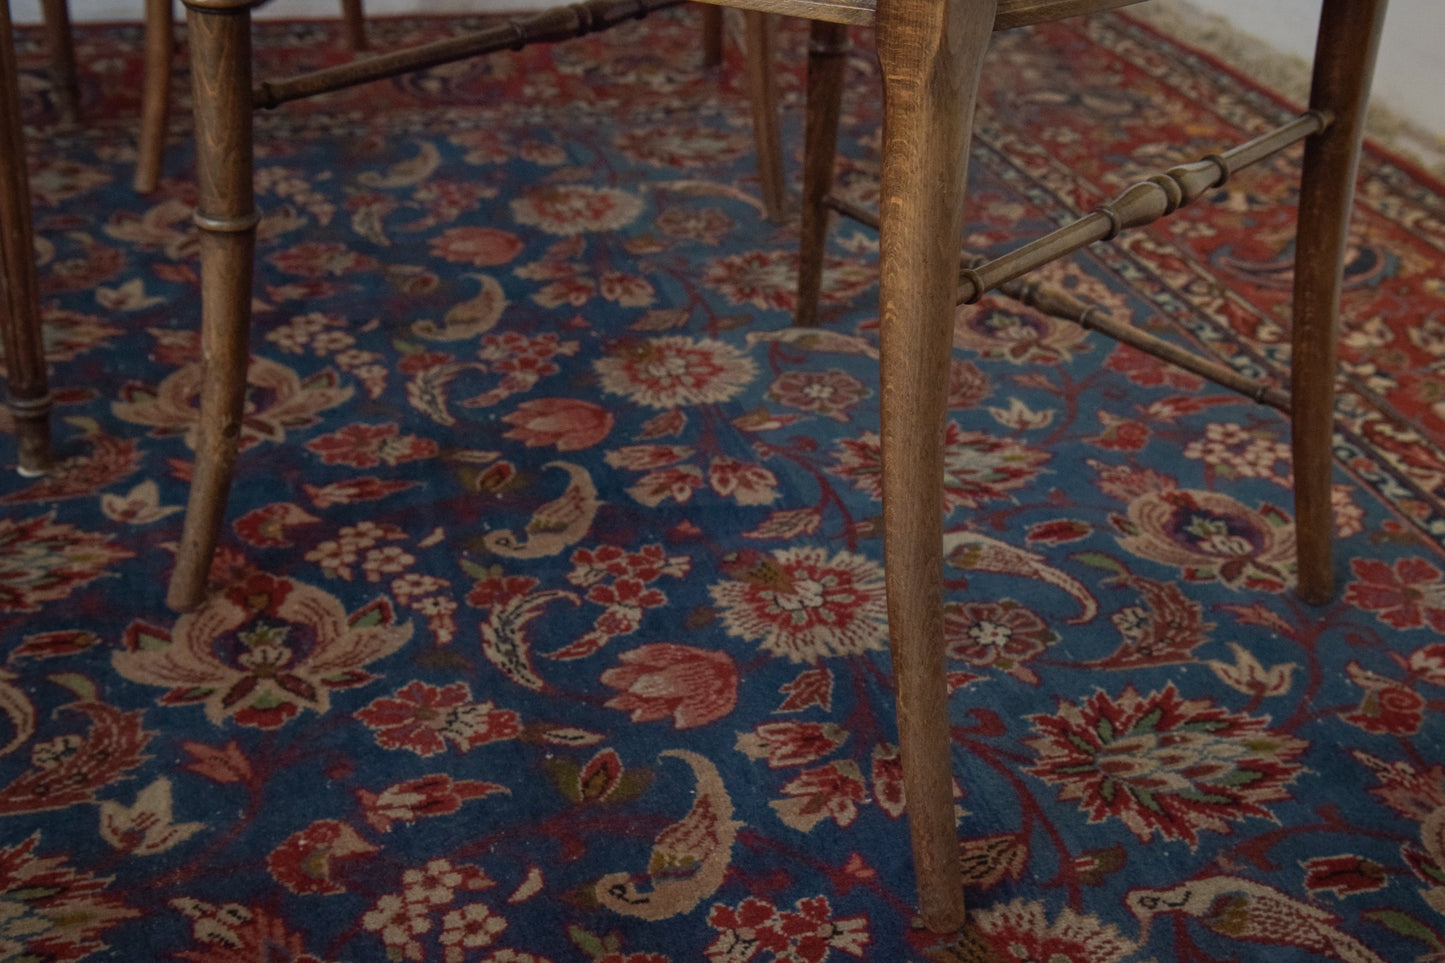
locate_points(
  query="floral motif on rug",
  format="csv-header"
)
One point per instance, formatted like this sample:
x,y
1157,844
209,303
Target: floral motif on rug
x,y
548,622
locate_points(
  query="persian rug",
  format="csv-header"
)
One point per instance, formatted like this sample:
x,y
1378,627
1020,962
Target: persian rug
x,y
548,622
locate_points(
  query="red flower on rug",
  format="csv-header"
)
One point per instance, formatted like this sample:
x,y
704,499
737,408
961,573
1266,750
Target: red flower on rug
x,y
672,371
316,258
1344,875
802,603
791,743
1002,634
676,145
478,246
1022,930
808,933
569,424
977,466
233,933
262,651
834,791
569,209
71,767
1388,707
1406,596
766,280
828,393
302,863
42,560
693,686
423,718
366,446
1163,764
434,795
52,913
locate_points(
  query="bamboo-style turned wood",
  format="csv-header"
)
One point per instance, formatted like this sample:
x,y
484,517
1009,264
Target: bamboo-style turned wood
x,y
27,393
1058,303
1143,203
219,35
561,23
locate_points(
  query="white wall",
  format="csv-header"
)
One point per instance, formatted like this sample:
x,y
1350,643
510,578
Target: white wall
x,y
1410,80
1410,77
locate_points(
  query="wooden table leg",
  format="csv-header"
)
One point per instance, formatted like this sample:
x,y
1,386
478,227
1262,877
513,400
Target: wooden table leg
x,y
1344,62
156,94
354,20
60,46
828,47
27,395
931,53
762,83
712,35
219,33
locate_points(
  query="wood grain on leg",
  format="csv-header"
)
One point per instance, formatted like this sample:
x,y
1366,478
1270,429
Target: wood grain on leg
x,y
763,94
220,42
27,394
155,94
1344,62
931,53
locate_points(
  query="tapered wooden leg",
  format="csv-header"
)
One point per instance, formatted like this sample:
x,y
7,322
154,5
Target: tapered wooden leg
x,y
712,35
60,44
763,95
828,47
219,34
931,52
1344,63
354,19
155,95
27,394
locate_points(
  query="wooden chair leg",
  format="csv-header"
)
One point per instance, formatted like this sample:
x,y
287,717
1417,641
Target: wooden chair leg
x,y
354,19
27,395
931,54
712,35
219,34
828,47
155,95
60,44
763,95
1344,62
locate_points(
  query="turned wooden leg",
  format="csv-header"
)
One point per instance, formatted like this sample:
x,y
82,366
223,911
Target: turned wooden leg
x,y
763,95
1344,62
712,35
828,47
931,52
60,44
155,95
27,394
219,33
354,19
